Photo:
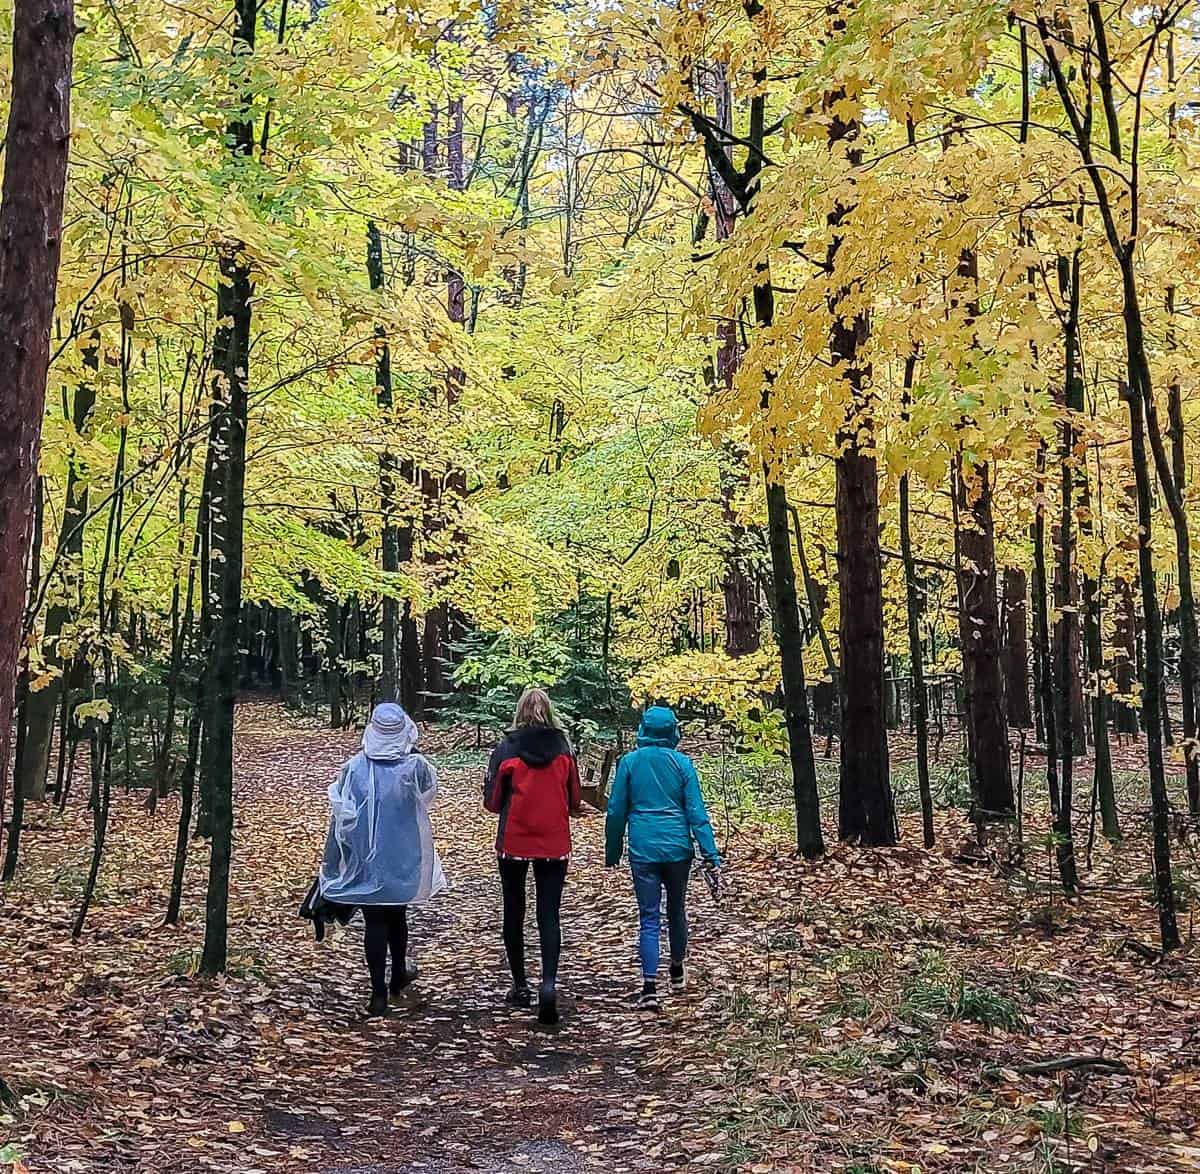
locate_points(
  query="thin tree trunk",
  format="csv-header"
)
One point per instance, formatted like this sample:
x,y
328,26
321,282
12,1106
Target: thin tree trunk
x,y
389,681
809,840
1125,666
36,145
738,583
1068,664
179,625
187,792
817,599
1141,401
101,744
1152,686
914,596
1172,476
1041,629
1103,789
231,364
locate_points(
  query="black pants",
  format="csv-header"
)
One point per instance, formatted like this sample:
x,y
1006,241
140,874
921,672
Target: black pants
x,y
387,929
549,876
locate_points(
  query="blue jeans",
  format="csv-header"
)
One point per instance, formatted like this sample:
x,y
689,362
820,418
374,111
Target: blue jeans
x,y
649,880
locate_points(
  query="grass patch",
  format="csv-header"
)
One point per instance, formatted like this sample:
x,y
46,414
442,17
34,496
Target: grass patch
x,y
461,759
934,990
241,964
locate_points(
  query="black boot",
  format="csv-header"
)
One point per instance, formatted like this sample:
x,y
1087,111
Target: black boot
x,y
407,975
519,995
377,1006
547,1003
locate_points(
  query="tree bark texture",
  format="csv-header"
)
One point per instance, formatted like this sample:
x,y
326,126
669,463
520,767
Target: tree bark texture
x,y
979,627
1016,649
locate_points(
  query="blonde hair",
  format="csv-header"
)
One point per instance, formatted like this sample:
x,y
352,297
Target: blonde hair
x,y
535,709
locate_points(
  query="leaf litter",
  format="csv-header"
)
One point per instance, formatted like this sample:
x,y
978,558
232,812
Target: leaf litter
x,y
875,1011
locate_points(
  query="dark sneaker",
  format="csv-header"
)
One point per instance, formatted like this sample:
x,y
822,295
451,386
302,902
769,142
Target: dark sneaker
x,y
406,978
547,1005
377,1006
678,978
646,999
519,996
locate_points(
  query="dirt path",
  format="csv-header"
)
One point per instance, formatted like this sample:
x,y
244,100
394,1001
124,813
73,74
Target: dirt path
x,y
454,1080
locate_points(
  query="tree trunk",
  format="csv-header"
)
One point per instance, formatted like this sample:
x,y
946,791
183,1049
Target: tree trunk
x,y
101,766
1189,638
809,840
805,797
187,792
289,664
180,626
914,598
412,681
1139,391
1016,649
979,628
1152,686
1125,666
979,615
231,364
335,639
389,680
1102,781
31,208
1069,687
866,811
1066,595
738,581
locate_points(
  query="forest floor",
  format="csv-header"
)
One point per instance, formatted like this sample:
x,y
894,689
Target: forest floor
x,y
875,1011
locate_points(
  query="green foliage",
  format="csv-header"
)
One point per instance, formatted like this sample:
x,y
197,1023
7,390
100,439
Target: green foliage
x,y
564,655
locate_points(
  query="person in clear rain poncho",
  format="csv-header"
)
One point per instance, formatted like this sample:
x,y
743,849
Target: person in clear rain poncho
x,y
379,853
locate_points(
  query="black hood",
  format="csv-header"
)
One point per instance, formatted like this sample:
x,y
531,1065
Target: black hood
x,y
536,745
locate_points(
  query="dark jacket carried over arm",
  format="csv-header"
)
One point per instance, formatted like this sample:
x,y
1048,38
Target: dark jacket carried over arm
x,y
533,785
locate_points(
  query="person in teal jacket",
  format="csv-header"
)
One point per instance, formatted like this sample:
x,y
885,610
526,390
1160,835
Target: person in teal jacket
x,y
656,796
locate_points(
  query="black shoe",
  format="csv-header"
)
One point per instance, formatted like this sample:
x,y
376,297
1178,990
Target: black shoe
x,y
377,1006
407,976
547,1004
647,998
678,978
519,995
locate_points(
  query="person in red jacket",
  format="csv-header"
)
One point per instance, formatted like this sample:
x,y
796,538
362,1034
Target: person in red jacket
x,y
533,785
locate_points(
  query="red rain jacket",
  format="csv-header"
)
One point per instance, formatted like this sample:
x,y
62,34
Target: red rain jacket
x,y
533,785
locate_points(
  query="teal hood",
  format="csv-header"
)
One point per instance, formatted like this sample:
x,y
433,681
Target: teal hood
x,y
659,728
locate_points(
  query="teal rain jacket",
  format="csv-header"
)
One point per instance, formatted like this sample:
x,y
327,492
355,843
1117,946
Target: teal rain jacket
x,y
656,794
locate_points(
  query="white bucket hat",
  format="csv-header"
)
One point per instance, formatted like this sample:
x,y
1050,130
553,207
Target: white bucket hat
x,y
391,733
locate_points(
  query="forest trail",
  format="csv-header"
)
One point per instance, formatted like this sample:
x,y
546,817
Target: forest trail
x,y
875,1011
454,1080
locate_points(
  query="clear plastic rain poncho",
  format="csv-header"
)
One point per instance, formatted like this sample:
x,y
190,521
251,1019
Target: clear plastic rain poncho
x,y
379,850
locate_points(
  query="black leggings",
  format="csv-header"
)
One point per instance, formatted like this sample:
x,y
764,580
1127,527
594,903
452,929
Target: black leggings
x,y
387,929
549,876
